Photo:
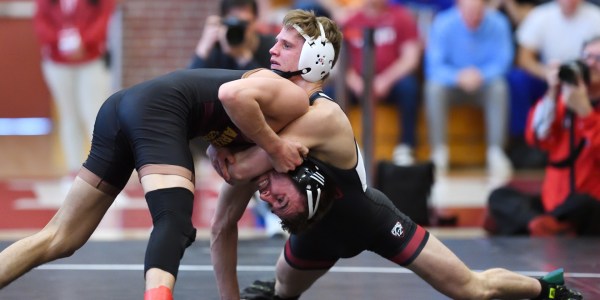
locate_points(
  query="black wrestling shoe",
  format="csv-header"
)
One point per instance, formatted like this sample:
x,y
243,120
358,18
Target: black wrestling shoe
x,y
555,288
561,292
259,290
262,290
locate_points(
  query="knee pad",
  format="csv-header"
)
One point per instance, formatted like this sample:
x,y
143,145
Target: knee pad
x,y
173,232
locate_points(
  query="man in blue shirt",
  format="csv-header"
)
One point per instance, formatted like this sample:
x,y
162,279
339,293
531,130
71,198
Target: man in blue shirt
x,y
468,53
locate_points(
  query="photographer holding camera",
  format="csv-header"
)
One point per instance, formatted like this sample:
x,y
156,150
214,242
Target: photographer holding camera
x,y
566,124
232,40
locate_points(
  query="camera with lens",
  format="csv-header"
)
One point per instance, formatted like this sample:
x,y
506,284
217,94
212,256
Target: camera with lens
x,y
236,30
574,71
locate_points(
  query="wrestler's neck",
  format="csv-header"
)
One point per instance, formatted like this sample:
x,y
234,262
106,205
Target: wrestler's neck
x,y
309,87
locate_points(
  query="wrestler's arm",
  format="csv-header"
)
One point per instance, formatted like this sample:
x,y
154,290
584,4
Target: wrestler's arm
x,y
224,236
233,199
262,105
319,130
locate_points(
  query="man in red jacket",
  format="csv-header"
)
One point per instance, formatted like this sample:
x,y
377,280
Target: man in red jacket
x,y
566,124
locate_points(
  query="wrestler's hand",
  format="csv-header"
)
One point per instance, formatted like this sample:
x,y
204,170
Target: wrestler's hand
x,y
220,158
287,156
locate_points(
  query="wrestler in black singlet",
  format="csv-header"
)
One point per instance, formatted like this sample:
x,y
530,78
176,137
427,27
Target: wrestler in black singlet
x,y
362,218
151,123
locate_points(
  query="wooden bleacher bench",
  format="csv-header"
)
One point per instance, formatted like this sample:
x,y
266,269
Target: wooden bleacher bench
x,y
466,133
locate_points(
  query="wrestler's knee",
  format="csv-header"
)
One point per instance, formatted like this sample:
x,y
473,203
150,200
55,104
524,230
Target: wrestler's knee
x,y
56,243
173,231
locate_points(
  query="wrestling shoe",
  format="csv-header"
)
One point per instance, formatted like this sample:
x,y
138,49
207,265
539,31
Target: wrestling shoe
x,y
262,290
553,287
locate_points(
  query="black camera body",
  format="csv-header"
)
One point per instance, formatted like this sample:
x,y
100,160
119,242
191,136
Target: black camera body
x,y
574,71
236,30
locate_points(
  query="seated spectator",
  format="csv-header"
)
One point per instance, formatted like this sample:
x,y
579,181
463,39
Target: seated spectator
x,y
473,68
232,40
566,124
397,57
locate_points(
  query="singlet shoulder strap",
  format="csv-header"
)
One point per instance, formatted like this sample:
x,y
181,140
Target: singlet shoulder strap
x,y
316,95
250,72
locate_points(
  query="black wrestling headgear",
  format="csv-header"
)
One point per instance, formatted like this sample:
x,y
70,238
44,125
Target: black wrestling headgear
x,y
308,178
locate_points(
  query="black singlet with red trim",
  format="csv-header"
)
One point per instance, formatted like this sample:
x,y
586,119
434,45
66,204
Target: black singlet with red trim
x,y
361,218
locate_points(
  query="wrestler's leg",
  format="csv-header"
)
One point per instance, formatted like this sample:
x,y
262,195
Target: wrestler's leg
x,y
291,282
67,231
160,183
159,139
444,271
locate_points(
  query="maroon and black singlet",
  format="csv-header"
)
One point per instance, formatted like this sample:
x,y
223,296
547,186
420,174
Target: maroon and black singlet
x,y
149,125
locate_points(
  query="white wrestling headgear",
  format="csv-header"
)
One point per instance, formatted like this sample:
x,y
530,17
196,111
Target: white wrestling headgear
x,y
316,58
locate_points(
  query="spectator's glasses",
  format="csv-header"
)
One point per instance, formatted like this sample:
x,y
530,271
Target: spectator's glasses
x,y
589,57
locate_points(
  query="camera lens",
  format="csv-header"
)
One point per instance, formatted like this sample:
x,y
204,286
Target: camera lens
x,y
236,30
574,71
235,35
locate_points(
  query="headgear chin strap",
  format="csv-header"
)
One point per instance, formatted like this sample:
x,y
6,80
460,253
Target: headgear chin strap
x,y
316,58
287,74
309,179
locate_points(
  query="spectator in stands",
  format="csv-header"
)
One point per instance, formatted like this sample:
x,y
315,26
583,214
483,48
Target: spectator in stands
x,y
566,124
473,68
232,40
73,35
397,56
